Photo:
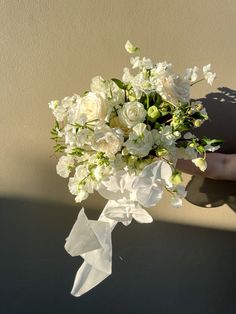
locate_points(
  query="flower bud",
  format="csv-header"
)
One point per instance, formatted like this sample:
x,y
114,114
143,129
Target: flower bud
x,y
153,113
132,161
198,107
176,178
197,123
161,151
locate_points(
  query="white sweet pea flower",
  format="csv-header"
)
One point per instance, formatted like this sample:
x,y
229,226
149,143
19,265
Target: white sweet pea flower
x,y
200,163
100,86
149,184
140,141
127,77
136,62
60,108
208,75
130,48
132,113
64,166
190,74
141,63
107,140
93,107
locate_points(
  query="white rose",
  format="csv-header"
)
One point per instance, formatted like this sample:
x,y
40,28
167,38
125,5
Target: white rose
x,y
93,107
107,140
132,113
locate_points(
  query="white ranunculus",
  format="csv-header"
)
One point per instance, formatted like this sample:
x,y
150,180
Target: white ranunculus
x,y
64,166
93,107
107,140
132,113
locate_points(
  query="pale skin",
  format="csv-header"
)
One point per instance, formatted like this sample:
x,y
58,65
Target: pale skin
x,y
219,167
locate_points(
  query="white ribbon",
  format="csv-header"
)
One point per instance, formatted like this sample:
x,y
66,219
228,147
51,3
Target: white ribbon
x,y
92,240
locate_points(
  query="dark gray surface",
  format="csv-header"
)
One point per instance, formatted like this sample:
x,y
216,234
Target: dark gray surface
x,y
165,268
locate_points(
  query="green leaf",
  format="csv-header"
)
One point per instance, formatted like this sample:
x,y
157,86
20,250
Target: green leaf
x,y
119,83
213,142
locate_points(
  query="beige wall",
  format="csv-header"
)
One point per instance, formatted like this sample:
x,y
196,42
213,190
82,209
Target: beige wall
x,y
52,48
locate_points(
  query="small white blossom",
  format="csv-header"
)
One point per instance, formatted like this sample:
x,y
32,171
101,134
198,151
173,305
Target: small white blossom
x,y
191,74
208,75
64,166
140,141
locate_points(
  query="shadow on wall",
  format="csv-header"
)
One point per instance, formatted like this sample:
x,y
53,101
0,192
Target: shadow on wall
x,y
221,108
157,268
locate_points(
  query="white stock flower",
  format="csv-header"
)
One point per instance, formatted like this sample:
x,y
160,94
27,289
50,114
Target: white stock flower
x,y
200,163
93,107
130,48
140,141
208,75
132,113
107,140
64,166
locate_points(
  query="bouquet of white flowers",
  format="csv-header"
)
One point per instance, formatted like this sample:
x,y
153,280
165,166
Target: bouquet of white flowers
x,y
123,139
